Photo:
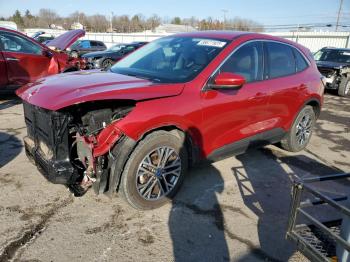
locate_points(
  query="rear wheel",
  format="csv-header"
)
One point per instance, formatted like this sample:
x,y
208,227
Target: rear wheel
x,y
155,170
300,133
344,86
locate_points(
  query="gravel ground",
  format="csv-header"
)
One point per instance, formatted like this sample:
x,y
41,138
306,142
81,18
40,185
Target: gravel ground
x,y
232,210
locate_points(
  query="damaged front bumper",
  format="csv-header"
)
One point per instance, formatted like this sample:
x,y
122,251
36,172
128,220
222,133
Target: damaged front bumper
x,y
47,145
56,171
65,156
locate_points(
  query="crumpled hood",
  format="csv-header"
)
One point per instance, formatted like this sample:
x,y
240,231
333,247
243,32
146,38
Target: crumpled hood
x,y
62,90
328,64
62,42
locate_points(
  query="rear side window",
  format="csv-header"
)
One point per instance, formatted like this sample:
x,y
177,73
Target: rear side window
x,y
94,44
246,61
280,60
301,64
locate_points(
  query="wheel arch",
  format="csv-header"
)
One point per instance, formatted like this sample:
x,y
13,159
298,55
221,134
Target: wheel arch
x,y
316,105
127,146
190,144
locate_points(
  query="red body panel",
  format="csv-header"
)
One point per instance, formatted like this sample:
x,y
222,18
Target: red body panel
x,y
3,70
17,69
212,118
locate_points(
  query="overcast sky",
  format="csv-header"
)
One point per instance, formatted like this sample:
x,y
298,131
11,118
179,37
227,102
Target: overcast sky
x,y
267,12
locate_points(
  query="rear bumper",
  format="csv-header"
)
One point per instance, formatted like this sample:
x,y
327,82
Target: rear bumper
x,y
57,172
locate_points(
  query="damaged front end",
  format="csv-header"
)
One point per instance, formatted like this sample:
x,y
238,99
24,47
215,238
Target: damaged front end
x,y
333,75
76,146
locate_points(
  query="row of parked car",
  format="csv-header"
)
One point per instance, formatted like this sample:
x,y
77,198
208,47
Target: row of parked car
x,y
24,59
95,53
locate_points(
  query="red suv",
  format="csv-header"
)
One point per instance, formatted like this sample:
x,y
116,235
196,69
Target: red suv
x,y
24,60
137,127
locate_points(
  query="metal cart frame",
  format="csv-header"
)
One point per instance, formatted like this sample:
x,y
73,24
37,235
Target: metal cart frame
x,y
318,241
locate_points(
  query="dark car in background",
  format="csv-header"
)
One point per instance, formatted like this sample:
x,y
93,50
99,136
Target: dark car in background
x,y
105,59
334,64
24,60
81,47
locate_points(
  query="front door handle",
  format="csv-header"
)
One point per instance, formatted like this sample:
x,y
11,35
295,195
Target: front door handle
x,y
11,59
258,96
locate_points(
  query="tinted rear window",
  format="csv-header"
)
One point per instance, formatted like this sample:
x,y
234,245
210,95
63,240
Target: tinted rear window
x,y
280,60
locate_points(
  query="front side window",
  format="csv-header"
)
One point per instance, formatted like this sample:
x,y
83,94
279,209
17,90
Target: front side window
x,y
247,61
280,60
171,59
14,43
85,44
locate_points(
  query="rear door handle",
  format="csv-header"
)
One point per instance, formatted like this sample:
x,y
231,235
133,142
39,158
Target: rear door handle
x,y
11,59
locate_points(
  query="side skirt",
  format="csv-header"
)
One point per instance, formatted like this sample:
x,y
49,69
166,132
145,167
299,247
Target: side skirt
x,y
262,139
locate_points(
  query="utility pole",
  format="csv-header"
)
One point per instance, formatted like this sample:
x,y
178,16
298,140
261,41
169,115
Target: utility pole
x,y
338,17
224,12
111,22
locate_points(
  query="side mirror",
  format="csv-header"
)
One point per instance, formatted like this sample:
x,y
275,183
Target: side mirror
x,y
226,80
47,53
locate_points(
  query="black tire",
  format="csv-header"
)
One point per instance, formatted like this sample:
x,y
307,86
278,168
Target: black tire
x,y
130,179
74,54
344,86
106,64
292,141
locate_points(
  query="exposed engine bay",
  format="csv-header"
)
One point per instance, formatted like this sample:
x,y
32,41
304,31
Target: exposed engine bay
x,y
334,76
73,146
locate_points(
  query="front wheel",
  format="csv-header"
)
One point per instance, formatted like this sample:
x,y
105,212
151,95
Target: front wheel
x,y
106,64
300,133
344,86
155,170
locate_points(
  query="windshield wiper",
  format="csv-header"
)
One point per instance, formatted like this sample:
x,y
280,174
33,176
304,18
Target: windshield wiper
x,y
153,79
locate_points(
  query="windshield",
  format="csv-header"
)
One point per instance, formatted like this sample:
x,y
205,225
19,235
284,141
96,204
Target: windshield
x,y
331,55
116,47
170,59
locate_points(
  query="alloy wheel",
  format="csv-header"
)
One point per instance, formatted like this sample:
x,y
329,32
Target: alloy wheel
x,y
303,129
158,173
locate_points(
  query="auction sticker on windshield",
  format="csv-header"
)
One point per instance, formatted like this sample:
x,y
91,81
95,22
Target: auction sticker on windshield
x,y
212,43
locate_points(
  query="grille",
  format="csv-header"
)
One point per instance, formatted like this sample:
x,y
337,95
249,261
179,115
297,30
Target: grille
x,y
48,129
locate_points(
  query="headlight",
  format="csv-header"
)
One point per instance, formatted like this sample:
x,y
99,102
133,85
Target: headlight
x,y
97,63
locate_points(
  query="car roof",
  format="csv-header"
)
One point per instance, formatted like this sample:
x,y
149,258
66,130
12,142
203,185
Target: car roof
x,y
336,48
225,35
10,30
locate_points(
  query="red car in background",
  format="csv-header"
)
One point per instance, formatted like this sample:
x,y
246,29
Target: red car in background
x,y
24,60
137,127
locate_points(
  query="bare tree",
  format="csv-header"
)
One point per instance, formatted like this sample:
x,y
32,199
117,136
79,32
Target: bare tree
x,y
46,17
